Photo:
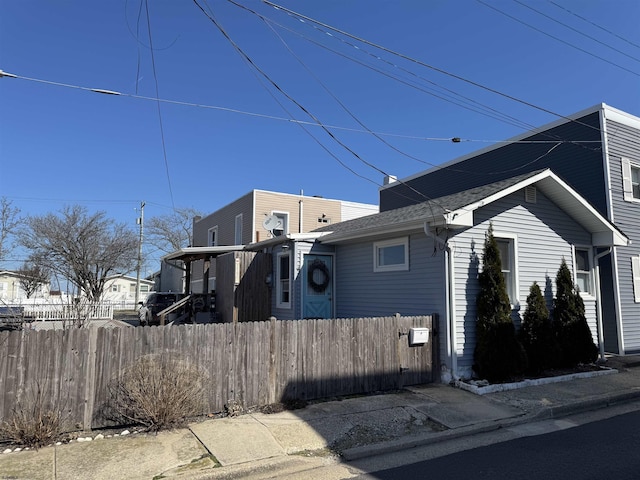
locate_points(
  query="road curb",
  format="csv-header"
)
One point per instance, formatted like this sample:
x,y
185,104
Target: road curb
x,y
545,413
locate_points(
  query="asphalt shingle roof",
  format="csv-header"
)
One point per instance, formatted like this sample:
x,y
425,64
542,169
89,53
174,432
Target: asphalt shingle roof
x,y
427,210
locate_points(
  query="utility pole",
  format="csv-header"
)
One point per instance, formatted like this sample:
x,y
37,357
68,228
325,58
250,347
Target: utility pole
x,y
139,221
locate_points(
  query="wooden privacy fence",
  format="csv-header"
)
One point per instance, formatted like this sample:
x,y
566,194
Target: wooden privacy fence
x,y
252,363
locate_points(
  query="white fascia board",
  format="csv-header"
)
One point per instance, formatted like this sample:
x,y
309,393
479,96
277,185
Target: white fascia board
x,y
374,232
603,232
619,116
289,237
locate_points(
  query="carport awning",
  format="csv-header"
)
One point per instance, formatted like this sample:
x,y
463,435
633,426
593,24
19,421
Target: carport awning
x,y
189,254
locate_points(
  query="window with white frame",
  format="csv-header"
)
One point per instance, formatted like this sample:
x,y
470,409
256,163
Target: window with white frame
x,y
238,231
635,271
283,224
631,180
283,285
132,288
506,246
213,236
583,269
144,288
391,255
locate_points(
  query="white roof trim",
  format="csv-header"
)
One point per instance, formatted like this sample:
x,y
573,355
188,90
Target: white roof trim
x,y
604,233
212,251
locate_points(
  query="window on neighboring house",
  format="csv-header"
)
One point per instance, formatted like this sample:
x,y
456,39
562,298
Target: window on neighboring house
x,y
114,288
631,180
635,271
132,288
144,288
506,246
583,270
391,255
283,287
213,236
324,219
238,231
283,224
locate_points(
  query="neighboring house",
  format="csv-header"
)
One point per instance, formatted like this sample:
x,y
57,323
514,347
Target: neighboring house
x,y
425,258
597,152
12,291
260,215
122,288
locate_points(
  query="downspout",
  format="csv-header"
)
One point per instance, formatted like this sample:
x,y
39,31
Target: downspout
x,y
596,264
300,212
449,304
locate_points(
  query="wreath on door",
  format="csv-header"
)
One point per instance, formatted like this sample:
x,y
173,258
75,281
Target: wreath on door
x,y
320,266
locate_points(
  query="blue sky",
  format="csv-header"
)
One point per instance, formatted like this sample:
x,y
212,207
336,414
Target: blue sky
x,y
63,145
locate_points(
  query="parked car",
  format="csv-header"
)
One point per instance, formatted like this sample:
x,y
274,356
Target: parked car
x,y
154,304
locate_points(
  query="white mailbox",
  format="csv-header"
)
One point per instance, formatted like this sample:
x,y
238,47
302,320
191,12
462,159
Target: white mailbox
x,y
418,336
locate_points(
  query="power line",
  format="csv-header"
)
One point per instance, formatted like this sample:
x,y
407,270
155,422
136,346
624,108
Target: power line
x,y
594,24
155,77
274,117
426,65
575,30
557,39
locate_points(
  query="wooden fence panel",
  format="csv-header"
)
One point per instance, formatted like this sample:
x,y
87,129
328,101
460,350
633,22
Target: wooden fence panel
x,y
253,363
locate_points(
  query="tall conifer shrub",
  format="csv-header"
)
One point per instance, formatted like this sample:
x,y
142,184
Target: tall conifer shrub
x,y
570,322
536,333
498,355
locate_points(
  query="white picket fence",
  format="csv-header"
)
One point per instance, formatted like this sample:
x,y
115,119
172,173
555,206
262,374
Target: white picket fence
x,y
50,311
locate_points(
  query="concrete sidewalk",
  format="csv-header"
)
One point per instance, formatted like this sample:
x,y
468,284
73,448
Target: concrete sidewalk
x,y
323,434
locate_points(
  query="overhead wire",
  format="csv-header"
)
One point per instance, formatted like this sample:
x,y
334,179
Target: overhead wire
x,y
277,118
594,24
155,78
576,30
295,102
556,38
302,17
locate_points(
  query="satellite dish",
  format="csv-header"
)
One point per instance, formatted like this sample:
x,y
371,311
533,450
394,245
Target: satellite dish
x,y
271,223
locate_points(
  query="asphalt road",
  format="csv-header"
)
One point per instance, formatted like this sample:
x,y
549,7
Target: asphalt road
x,y
605,449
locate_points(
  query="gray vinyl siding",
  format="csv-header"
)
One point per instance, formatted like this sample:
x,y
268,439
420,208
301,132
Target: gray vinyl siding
x,y
579,164
624,141
544,234
361,292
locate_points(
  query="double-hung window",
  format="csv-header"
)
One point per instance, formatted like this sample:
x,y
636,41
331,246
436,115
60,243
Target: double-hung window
x,y
631,180
391,255
635,272
583,270
283,286
213,236
507,249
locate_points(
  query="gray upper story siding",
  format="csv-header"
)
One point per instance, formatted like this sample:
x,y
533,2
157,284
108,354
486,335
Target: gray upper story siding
x,y
579,164
623,141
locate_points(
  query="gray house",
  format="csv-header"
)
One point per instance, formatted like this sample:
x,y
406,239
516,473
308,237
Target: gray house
x,y
597,153
425,258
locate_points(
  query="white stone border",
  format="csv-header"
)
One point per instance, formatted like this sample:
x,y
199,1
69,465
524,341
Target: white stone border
x,y
502,387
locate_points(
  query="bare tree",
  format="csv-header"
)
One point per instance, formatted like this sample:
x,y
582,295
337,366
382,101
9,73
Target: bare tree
x,y
32,276
84,248
9,220
173,231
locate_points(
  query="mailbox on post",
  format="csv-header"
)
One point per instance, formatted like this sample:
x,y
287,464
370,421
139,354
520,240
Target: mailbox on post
x,y
418,336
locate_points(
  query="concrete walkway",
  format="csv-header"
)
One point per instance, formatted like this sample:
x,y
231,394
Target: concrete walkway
x,y
323,435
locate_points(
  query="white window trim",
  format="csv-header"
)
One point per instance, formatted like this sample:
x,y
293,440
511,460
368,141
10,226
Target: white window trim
x,y
285,230
513,239
391,243
212,229
589,250
635,272
279,303
627,185
238,230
